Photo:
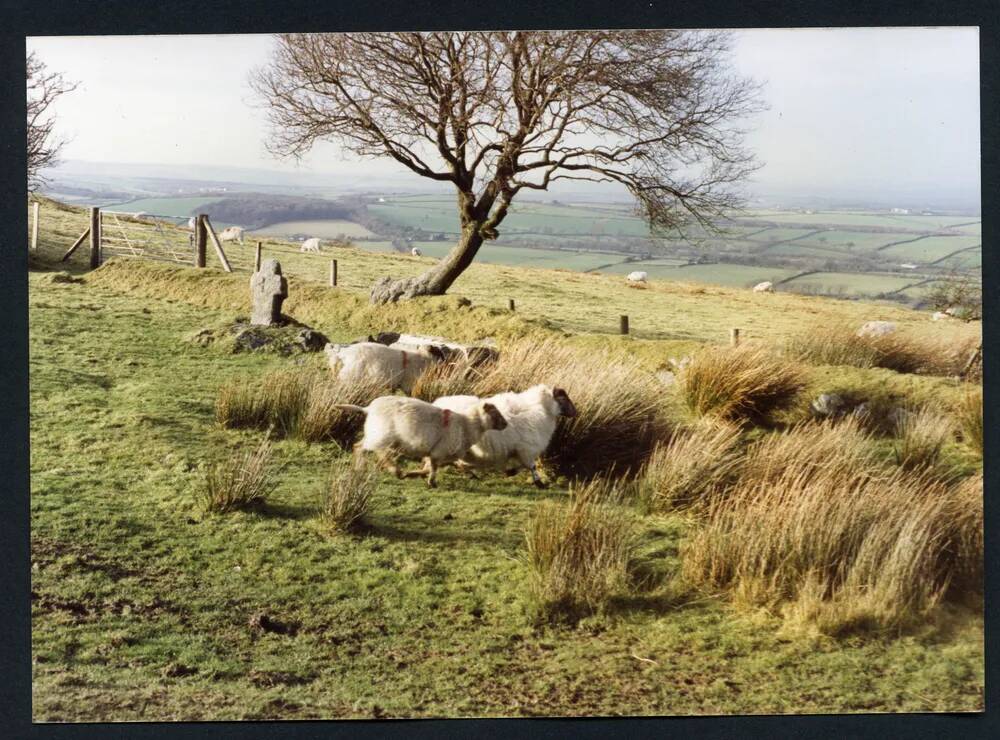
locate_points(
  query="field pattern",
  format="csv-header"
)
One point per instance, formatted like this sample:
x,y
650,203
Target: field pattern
x,y
325,229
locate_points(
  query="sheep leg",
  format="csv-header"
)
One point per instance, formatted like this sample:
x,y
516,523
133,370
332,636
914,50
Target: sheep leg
x,y
464,467
431,472
530,465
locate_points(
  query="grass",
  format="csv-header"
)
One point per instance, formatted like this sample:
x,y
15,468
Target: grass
x,y
741,383
299,403
241,480
349,497
684,472
141,604
923,434
579,552
837,550
970,419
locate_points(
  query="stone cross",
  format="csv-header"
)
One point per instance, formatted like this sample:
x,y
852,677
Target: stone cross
x,y
268,290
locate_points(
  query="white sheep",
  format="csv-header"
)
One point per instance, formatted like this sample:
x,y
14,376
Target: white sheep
x,y
531,415
311,245
876,328
376,363
415,252
231,234
765,287
396,426
637,277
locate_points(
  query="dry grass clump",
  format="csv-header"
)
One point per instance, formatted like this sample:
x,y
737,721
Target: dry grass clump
x,y
683,472
275,400
970,419
841,345
320,420
455,378
242,479
295,403
836,549
922,436
737,383
349,496
579,552
811,449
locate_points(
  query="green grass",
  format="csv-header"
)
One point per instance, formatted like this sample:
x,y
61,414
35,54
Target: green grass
x,y
142,605
849,283
840,239
324,229
931,248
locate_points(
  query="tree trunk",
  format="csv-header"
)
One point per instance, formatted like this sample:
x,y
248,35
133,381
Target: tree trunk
x,y
436,280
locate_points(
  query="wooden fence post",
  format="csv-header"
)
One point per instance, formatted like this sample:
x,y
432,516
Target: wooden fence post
x,y
77,243
333,273
256,258
95,238
510,303
734,336
34,225
200,240
623,325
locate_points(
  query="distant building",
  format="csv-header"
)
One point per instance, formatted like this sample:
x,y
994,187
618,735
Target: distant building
x,y
901,211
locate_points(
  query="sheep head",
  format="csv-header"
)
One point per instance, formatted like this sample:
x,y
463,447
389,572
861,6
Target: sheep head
x,y
566,407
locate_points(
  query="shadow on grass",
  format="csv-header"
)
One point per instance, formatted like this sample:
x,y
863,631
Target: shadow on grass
x,y
436,535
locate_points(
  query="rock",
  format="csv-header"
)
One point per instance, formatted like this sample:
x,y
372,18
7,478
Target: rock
x,y
828,404
268,290
897,417
876,328
959,312
765,287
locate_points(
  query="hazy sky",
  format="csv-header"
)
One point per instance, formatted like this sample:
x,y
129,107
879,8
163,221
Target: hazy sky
x,y
851,110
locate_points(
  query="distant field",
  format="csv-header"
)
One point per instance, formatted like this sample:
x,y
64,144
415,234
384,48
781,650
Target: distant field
x,y
932,248
513,256
849,282
971,260
325,229
737,276
779,235
860,240
176,207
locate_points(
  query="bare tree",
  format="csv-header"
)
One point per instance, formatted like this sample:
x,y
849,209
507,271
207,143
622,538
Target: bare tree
x,y
495,113
43,88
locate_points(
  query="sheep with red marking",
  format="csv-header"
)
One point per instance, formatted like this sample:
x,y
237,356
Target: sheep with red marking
x,y
396,426
386,366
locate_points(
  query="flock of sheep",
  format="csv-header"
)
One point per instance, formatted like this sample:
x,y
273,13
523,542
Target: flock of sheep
x,y
465,431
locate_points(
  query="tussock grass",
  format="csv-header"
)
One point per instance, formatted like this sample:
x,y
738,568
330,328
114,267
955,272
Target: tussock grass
x,y
970,419
295,403
740,383
349,496
579,552
684,472
839,344
446,379
811,449
836,549
275,400
239,481
922,433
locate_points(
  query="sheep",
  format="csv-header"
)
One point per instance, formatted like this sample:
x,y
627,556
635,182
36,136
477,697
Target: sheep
x,y
396,426
475,354
531,415
311,245
637,277
394,368
876,328
231,233
415,252
765,287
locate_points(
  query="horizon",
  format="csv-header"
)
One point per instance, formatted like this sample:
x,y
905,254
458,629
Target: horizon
x,y
910,131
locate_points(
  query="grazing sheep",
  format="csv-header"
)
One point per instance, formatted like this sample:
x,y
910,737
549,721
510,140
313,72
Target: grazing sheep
x,y
531,415
637,277
475,354
311,245
876,328
765,287
415,252
408,427
394,368
231,234
191,223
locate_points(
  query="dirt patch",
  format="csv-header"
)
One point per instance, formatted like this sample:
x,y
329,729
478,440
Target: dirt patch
x,y
261,622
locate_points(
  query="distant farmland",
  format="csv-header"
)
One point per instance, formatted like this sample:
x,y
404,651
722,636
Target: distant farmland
x,y
325,229
176,207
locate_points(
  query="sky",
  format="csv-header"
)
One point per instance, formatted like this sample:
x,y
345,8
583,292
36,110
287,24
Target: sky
x,y
851,111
